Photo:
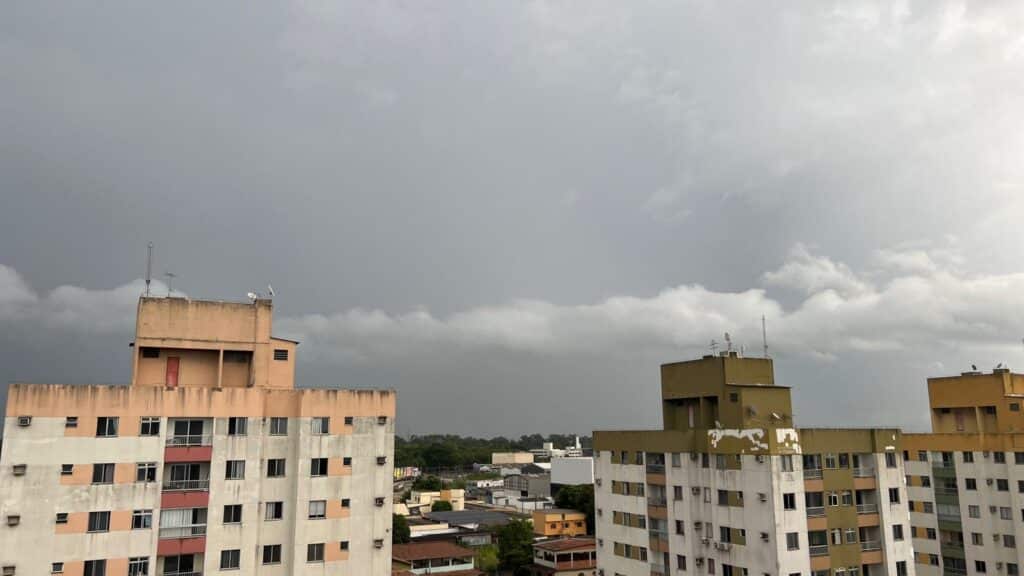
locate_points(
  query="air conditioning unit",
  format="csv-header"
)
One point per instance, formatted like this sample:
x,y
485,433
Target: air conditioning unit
x,y
724,546
989,481
378,543
705,541
764,536
693,455
13,520
992,509
995,537
985,454
597,481
382,460
695,491
698,561
24,421
7,571
759,458
382,420
698,525
762,496
18,469
999,565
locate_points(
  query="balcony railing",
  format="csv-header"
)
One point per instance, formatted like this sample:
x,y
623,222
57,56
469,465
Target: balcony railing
x,y
941,464
815,511
867,508
869,545
657,501
863,472
186,485
954,572
812,473
656,468
182,574
819,550
659,570
192,531
190,440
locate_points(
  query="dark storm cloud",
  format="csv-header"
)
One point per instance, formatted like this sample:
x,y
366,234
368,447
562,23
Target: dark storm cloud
x,y
513,213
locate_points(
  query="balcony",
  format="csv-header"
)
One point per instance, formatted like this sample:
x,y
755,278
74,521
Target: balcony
x,y
191,531
815,511
870,545
190,440
186,485
182,574
657,501
659,570
867,508
656,468
863,472
812,473
821,550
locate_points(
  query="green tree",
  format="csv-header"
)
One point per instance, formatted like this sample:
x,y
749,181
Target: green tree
x,y
515,545
399,529
579,498
427,484
487,558
441,506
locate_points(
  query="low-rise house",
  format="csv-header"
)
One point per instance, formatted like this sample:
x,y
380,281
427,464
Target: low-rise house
x,y
564,557
559,522
433,558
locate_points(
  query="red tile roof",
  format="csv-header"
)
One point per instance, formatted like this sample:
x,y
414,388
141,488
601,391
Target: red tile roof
x,y
429,550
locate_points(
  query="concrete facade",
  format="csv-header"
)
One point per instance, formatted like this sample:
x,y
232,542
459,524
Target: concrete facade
x,y
210,460
730,487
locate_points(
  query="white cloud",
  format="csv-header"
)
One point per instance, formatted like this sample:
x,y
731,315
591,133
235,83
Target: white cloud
x,y
812,274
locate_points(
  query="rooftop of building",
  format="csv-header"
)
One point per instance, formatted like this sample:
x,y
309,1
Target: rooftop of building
x,y
565,544
560,511
429,551
466,517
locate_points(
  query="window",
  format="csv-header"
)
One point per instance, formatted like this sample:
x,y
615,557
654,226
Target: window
x,y
1009,541
318,467
67,469
851,535
1018,457
62,517
345,502
786,462
1012,569
149,426
274,511
280,354
99,521
999,457
789,501
138,566
973,511
348,420
230,559
677,493
901,568
968,457
317,509
897,532
844,460
792,540
723,497
928,507
970,484
102,473
833,499
991,410
57,568
145,472
979,566
142,519
321,425
1005,513
232,513
847,498
272,554
837,537
830,461
890,459
275,468
977,539
680,527
150,352
1020,485
95,568
278,426
680,562
894,495
315,552
1002,484
926,481
930,533
71,422
677,462
238,426
106,426
343,545
234,470
346,461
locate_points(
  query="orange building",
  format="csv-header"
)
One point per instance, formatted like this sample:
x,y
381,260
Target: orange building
x,y
559,522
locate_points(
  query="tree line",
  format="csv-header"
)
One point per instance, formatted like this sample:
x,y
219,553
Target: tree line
x,y
448,451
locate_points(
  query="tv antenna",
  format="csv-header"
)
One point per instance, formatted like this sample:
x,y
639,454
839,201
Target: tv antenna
x,y
170,278
149,266
714,346
728,342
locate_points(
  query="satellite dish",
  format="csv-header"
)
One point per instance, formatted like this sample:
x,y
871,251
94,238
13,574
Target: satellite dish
x,y
973,367
271,290
252,295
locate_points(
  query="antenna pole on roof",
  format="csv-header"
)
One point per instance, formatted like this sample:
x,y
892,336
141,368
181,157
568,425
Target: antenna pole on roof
x,y
149,266
764,336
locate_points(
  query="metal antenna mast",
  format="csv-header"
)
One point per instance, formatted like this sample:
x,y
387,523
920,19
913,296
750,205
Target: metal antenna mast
x,y
149,266
764,336
170,278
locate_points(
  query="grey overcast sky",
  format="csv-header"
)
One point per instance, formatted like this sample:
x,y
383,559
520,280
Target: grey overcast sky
x,y
513,212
